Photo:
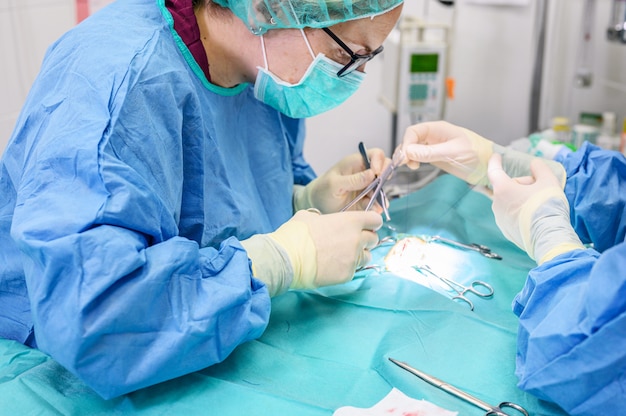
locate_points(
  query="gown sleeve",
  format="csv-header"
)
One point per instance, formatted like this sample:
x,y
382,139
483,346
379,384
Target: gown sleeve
x,y
117,296
572,334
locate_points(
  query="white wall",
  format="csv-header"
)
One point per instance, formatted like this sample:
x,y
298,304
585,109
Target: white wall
x,y
561,97
491,61
27,27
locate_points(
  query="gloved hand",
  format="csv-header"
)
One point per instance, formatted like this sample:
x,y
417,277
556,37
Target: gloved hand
x,y
533,212
463,153
340,184
312,250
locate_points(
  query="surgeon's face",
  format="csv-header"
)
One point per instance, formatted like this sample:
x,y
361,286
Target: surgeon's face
x,y
289,57
362,37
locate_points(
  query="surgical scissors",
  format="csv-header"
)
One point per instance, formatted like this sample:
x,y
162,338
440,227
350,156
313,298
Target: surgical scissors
x,y
376,186
491,410
460,289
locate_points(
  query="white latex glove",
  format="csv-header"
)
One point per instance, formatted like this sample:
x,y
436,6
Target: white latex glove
x,y
340,184
312,250
533,212
456,150
463,153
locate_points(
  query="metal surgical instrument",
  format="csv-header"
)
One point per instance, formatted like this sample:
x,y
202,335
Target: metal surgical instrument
x,y
460,289
484,250
376,186
382,197
491,410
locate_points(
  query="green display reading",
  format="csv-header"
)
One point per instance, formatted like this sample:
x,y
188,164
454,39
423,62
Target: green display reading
x,y
424,63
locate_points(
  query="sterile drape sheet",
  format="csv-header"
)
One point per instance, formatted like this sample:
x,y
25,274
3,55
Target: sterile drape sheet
x,y
329,348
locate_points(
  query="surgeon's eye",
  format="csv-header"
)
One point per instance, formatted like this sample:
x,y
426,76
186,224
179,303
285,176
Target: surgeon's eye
x,y
341,56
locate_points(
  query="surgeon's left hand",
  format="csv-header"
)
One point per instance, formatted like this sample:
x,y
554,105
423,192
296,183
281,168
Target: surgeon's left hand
x,y
338,186
533,212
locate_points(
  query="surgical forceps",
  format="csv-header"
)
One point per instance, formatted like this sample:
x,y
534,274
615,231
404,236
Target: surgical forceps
x,y
382,196
484,250
376,186
491,410
460,289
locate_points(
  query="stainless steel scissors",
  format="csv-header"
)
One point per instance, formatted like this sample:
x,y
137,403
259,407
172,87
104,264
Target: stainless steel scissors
x,y
376,186
491,410
484,250
459,289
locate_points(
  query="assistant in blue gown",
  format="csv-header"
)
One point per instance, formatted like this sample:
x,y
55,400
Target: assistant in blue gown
x,y
125,189
572,310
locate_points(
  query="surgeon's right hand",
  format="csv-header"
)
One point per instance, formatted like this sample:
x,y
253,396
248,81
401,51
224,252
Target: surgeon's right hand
x,y
454,149
312,250
465,154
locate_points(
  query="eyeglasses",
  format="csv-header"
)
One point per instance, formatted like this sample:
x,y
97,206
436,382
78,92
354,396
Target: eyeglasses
x,y
356,60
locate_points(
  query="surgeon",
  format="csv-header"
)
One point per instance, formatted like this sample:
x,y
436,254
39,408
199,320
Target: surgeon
x,y
570,216
154,194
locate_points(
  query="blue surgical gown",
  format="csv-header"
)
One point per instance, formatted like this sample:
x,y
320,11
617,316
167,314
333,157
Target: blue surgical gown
x,y
572,310
125,189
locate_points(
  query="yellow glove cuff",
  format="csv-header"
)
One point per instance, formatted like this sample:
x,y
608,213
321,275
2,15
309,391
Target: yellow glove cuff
x,y
299,198
528,211
269,263
558,250
545,225
483,149
516,164
295,238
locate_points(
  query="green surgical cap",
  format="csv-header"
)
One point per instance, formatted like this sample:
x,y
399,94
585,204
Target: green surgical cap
x,y
262,15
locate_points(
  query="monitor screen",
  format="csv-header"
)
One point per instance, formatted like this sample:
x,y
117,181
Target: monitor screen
x,y
424,62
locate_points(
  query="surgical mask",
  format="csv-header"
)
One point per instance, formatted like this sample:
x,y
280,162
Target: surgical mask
x,y
319,90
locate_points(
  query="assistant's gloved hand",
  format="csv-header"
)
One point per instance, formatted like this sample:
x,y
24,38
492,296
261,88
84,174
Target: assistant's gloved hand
x,y
312,250
533,212
339,185
463,153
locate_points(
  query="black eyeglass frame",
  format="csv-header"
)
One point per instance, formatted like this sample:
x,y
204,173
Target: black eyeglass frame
x,y
356,60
